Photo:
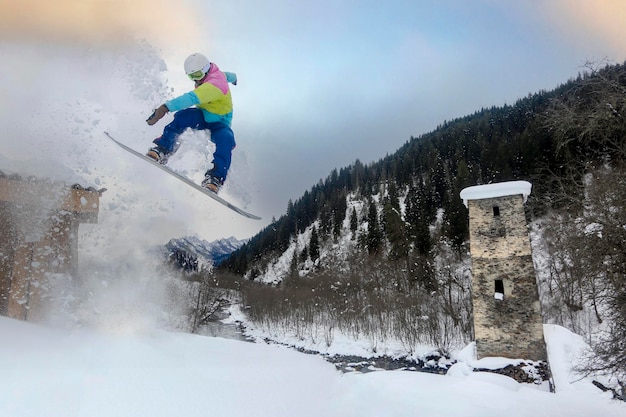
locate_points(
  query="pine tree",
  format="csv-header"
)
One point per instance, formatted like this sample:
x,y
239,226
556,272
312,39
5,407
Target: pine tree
x,y
417,219
354,222
374,234
314,245
394,226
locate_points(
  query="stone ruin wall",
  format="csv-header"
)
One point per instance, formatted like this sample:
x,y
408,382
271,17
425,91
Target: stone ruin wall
x,y
39,223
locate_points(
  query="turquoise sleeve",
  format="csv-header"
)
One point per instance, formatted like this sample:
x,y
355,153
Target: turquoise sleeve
x,y
182,102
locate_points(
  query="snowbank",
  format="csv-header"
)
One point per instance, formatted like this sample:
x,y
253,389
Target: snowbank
x,y
51,372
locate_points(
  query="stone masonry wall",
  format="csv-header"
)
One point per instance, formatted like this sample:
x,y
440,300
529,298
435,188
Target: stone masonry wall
x,y
507,324
39,222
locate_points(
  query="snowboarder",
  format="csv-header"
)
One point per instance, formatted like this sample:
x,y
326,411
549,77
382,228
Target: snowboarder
x,y
213,111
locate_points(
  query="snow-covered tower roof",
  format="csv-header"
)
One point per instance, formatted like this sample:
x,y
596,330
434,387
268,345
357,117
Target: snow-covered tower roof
x,y
499,189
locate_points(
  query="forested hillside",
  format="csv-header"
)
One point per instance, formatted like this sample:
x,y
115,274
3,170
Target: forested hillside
x,y
495,144
378,250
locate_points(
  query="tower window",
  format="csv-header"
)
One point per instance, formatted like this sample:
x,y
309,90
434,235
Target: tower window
x,y
497,225
499,289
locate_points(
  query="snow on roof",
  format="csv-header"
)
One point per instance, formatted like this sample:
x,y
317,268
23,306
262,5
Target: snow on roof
x,y
499,189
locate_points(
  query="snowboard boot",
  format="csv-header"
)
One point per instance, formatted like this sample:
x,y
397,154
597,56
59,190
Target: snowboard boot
x,y
159,154
212,183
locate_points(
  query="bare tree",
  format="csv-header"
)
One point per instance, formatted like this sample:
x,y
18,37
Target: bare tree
x,y
587,234
208,300
591,115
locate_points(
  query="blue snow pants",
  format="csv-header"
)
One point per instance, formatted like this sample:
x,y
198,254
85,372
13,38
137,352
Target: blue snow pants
x,y
221,135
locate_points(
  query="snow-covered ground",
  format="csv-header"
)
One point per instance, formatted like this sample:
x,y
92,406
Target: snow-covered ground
x,y
147,372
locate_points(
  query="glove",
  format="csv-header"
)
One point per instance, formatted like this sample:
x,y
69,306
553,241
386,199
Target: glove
x,y
157,114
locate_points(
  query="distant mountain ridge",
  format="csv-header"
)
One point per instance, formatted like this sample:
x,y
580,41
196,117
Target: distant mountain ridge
x,y
193,253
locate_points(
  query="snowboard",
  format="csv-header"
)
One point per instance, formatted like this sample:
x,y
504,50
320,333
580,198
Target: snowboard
x,y
185,180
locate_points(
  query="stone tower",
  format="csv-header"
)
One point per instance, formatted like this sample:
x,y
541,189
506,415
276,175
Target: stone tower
x,y
39,222
507,313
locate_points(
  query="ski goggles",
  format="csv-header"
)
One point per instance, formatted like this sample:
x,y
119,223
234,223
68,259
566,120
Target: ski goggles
x,y
196,75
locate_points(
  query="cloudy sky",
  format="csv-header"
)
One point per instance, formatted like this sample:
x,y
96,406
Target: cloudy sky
x,y
321,83
326,82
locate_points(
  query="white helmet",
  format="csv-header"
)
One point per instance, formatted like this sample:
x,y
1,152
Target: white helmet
x,y
196,66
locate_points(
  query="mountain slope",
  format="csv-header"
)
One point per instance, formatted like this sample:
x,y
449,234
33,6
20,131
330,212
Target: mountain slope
x,y
511,142
193,253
